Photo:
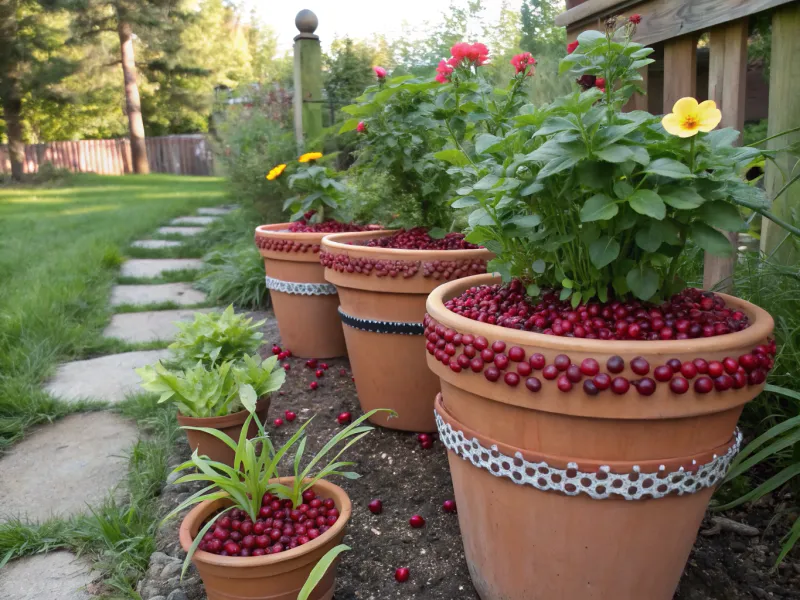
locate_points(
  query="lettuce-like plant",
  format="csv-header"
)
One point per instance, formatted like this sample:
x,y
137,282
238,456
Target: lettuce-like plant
x,y
214,391
320,196
216,337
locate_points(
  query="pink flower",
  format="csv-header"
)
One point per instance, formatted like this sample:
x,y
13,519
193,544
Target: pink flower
x,y
478,54
572,46
460,51
380,72
443,71
635,19
522,61
361,127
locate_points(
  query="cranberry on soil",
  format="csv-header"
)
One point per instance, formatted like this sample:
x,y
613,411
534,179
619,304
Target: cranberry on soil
x,y
344,418
449,506
691,314
376,507
401,574
418,239
416,521
290,416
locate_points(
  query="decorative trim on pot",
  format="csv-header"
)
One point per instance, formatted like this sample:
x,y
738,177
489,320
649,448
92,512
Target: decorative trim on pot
x,y
300,289
397,327
600,484
380,267
272,244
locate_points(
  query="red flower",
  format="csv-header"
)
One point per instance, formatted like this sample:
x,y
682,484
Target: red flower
x,y
572,46
477,53
361,128
460,51
443,71
380,72
522,61
635,19
600,82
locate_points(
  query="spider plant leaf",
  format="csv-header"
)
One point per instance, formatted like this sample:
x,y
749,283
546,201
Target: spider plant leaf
x,y
791,540
195,499
199,538
765,488
319,570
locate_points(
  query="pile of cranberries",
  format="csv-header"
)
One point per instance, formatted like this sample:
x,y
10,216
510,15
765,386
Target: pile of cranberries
x,y
691,314
279,527
303,226
418,239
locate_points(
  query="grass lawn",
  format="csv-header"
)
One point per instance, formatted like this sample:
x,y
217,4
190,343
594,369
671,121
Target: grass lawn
x,y
60,249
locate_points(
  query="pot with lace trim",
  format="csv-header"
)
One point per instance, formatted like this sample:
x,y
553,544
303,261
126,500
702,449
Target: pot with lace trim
x,y
306,307
599,486
382,293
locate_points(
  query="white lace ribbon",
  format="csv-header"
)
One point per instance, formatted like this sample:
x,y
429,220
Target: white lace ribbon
x,y
302,289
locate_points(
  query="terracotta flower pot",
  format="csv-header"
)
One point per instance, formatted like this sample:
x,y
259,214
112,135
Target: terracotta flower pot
x,y
563,495
273,577
305,306
382,293
230,425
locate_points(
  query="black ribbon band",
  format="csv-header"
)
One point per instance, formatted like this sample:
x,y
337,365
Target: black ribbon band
x,y
396,327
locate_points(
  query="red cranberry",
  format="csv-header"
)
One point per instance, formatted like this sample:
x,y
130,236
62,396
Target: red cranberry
x,y
416,521
487,355
524,369
232,548
449,506
511,379
481,343
703,385
564,384
537,361
309,495
278,422
221,534
311,363
723,382
550,372
640,366
533,384
748,362
313,385
498,346
277,548
756,377
401,575
646,386
663,373
246,528
248,542
730,365
590,367
376,507
562,362
574,373
313,534
701,364
344,418
319,373
688,370
615,364
225,522
602,381
715,369
426,445
590,388
516,354
501,362
492,373
674,364
476,364
290,416
257,552
739,380
679,385
620,385
276,349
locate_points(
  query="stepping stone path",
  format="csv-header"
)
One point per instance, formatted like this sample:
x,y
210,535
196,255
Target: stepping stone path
x,y
148,326
91,448
155,267
182,294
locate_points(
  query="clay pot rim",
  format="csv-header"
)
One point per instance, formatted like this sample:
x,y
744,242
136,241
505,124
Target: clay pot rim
x,y
584,465
205,508
230,420
339,242
279,230
761,327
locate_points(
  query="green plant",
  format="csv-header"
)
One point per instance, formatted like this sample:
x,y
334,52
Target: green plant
x,y
255,469
235,275
783,438
214,391
214,337
320,196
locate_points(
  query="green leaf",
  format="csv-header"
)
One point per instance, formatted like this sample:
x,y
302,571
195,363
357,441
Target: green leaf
x,y
487,182
562,163
437,233
603,251
622,189
539,266
453,156
615,153
722,215
349,125
567,283
565,293
532,189
486,143
465,202
555,125
533,290
527,221
589,37
642,281
648,239
319,570
710,240
479,216
666,167
647,202
682,198
248,397
598,208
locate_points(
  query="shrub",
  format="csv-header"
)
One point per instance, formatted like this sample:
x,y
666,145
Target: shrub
x,y
234,274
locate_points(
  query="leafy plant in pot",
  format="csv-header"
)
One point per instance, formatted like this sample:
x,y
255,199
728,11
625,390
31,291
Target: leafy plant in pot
x,y
257,535
305,305
384,277
218,397
584,386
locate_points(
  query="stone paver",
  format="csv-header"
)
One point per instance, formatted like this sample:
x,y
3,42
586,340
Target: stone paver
x,y
203,220
148,326
180,293
64,467
57,575
181,230
216,211
154,267
155,244
110,378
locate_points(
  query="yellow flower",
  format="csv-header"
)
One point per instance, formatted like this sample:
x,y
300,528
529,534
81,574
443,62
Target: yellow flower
x,y
688,117
309,156
276,172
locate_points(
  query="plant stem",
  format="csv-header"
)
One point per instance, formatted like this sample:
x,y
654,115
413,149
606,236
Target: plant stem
x,y
772,137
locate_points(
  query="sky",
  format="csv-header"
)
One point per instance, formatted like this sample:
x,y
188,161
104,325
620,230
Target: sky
x,y
359,19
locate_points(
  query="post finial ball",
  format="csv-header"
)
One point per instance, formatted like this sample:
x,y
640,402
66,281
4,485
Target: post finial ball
x,y
306,21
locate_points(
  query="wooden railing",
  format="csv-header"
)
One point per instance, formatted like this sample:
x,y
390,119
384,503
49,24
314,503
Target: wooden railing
x,y
673,28
176,154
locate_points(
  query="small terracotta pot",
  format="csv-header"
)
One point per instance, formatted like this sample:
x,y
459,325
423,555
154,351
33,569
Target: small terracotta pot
x,y
305,305
230,425
382,293
602,494
274,577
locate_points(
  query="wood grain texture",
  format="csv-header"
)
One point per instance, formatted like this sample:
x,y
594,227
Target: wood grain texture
x,y
680,70
638,101
665,19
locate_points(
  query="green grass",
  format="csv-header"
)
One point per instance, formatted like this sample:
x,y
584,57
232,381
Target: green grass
x,y
176,276
60,249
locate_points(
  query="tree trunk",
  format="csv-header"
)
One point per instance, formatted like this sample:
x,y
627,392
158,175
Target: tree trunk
x,y
134,105
12,105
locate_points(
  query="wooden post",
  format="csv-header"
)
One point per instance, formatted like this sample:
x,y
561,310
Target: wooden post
x,y
680,70
307,79
784,113
727,75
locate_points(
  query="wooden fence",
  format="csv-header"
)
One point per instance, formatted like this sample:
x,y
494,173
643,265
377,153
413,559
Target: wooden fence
x,y
176,154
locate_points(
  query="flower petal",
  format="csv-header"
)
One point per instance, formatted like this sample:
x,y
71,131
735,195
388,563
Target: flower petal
x,y
709,116
672,123
685,106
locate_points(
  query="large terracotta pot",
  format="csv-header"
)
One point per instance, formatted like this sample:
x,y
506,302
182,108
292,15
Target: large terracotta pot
x,y
382,293
230,425
571,496
273,577
305,305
